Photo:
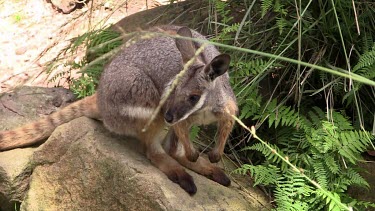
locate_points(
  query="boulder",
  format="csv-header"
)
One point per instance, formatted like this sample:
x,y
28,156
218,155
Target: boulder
x,y
29,103
191,13
84,167
16,108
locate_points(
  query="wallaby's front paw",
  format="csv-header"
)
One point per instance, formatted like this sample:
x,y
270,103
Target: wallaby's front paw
x,y
214,156
185,181
193,157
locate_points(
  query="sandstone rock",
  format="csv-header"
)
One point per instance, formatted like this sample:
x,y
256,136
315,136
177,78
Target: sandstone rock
x,y
66,6
21,50
14,177
29,103
16,108
82,166
191,13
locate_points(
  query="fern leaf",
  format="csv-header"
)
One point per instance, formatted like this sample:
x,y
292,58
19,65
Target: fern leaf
x,y
270,155
281,23
320,173
265,175
365,60
266,6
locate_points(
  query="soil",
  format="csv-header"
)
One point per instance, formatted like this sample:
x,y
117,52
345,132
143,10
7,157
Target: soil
x,y
33,32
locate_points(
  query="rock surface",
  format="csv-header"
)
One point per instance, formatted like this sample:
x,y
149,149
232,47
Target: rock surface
x,y
191,13
84,167
16,108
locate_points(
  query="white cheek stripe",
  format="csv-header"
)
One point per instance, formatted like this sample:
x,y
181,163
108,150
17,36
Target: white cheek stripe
x,y
197,106
137,112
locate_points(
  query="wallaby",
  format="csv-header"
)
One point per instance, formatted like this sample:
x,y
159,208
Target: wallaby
x,y
130,89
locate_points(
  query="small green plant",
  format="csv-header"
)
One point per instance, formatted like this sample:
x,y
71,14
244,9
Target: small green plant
x,y
97,44
18,17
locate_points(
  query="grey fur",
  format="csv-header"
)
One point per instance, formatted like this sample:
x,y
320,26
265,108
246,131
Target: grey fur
x,y
138,77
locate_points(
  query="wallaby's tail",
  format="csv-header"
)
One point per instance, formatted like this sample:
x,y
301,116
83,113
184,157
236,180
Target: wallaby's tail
x,y
38,131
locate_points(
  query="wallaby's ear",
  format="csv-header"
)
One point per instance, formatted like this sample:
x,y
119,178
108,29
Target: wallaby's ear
x,y
218,66
186,47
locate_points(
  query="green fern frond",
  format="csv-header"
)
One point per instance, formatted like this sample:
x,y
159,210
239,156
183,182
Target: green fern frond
x,y
251,103
320,173
367,42
291,188
356,179
270,155
266,6
331,163
253,67
280,8
261,174
328,197
341,121
366,59
232,28
281,23
314,116
353,143
361,205
280,114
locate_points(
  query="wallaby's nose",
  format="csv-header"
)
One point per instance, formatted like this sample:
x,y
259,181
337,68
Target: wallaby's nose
x,y
168,116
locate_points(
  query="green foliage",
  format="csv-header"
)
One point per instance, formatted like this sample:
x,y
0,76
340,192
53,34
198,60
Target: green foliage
x,y
251,104
97,43
367,59
290,192
317,121
262,174
194,132
329,153
279,9
18,17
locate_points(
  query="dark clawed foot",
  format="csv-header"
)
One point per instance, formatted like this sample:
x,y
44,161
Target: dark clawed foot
x,y
185,181
214,156
193,157
220,177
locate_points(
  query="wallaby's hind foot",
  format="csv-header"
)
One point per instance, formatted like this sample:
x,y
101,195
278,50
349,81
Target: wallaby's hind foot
x,y
183,179
153,139
174,171
205,168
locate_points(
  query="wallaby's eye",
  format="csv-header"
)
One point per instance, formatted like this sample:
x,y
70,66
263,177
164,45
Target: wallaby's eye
x,y
194,98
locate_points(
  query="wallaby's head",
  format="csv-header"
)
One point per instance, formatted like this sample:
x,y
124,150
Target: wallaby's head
x,y
195,86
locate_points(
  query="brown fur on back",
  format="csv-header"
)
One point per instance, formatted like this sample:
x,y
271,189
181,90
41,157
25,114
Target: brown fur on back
x,y
36,132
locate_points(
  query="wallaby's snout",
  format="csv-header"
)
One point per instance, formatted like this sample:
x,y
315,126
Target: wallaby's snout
x,y
178,112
